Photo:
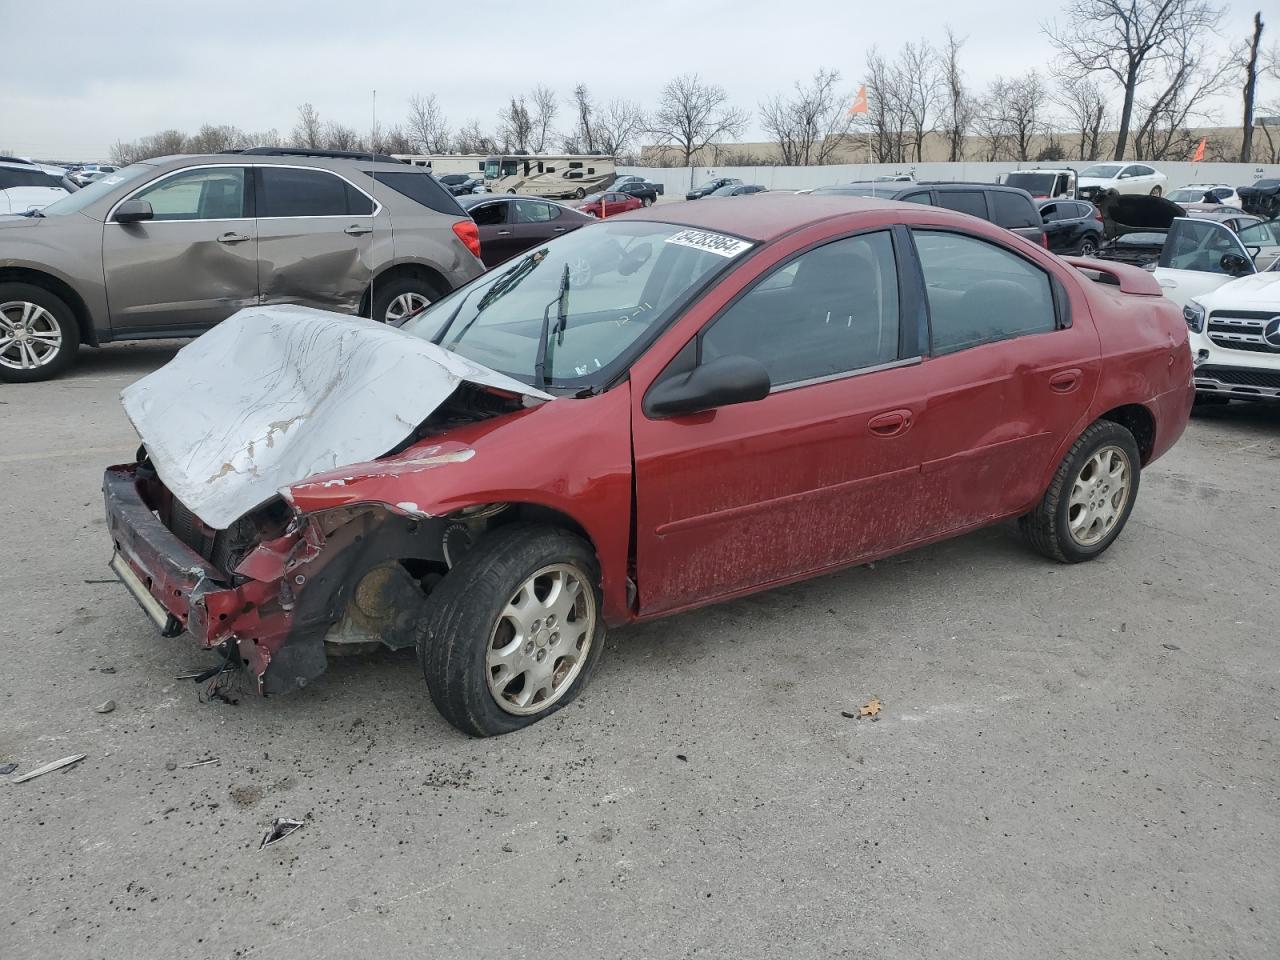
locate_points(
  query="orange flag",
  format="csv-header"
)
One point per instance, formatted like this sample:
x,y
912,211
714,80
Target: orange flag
x,y
1199,154
860,101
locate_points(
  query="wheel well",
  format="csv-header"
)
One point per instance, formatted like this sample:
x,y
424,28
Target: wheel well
x,y
1138,420
58,288
417,271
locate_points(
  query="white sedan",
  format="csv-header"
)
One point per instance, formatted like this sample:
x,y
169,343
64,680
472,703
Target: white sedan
x,y
1122,178
24,187
1197,193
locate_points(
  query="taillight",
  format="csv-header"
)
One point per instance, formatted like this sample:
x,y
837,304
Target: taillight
x,y
1044,240
469,234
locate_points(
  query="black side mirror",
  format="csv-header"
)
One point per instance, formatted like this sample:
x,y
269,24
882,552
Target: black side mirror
x,y
717,383
134,211
1235,264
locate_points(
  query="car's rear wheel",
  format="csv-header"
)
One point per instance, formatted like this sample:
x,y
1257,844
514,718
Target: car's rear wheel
x,y
39,336
1156,191
1088,247
579,193
1090,497
514,630
397,300
647,201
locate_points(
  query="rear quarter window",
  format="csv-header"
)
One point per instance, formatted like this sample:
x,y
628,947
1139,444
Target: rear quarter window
x,y
1011,210
421,188
971,202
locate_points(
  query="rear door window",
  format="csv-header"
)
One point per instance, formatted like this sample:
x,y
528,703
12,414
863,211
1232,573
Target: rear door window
x,y
979,292
490,214
532,211
293,192
921,196
971,202
1011,211
205,193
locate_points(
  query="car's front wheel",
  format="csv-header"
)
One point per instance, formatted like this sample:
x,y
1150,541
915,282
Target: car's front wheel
x,y
397,300
513,631
1090,497
39,336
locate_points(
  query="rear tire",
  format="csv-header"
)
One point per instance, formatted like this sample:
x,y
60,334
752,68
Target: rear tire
x,y
39,336
579,193
1156,191
647,201
504,626
1088,247
399,298
1090,497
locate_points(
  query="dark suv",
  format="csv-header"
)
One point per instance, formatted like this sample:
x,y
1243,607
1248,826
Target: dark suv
x,y
172,246
1006,207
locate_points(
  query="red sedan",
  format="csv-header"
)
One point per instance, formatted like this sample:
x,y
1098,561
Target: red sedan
x,y
745,395
604,205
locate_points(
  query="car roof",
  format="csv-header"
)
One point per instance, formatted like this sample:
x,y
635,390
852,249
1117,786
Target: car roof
x,y
284,160
770,215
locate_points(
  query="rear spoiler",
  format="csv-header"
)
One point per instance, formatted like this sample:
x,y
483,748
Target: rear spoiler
x,y
1129,279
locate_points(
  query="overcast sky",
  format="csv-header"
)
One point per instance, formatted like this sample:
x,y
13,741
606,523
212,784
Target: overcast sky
x,y
74,79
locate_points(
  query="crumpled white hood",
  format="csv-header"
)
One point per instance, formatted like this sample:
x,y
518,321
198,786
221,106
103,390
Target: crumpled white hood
x,y
274,395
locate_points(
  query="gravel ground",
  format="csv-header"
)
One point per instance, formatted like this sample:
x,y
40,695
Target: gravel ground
x,y
1071,762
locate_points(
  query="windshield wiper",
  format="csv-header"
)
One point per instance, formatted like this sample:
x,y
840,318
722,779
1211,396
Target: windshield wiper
x,y
562,318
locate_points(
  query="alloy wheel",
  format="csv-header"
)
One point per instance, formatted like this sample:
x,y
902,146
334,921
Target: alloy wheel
x,y
541,640
1099,495
405,306
29,335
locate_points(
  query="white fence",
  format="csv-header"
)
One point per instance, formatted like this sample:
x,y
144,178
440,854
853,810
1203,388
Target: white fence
x,y
677,180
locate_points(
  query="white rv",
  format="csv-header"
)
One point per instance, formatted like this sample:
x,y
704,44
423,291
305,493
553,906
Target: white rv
x,y
562,176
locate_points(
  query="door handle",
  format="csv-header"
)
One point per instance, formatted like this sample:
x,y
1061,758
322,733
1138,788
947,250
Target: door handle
x,y
504,233
890,424
1064,381
232,238
356,230
557,229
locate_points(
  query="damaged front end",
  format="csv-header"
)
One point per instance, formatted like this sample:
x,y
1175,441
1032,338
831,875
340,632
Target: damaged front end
x,y
278,591
241,568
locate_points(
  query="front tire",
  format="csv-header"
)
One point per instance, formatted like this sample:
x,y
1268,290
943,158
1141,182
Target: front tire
x,y
39,336
1090,497
514,630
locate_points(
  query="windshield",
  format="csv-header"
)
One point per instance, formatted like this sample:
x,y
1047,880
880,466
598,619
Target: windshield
x,y
625,279
491,169
75,202
1101,171
1034,183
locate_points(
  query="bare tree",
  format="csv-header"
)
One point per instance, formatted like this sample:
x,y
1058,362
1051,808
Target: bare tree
x,y
618,126
427,126
162,144
396,140
470,138
309,131
917,79
1166,114
1023,106
1127,39
1080,99
692,114
545,108
515,125
882,123
1250,88
991,122
584,135
337,136
957,104
1271,133
215,139
811,125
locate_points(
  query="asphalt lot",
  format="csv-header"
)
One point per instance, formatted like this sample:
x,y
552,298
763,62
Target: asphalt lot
x,y
1074,762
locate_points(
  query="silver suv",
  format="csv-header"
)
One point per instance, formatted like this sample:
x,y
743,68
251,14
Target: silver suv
x,y
170,247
